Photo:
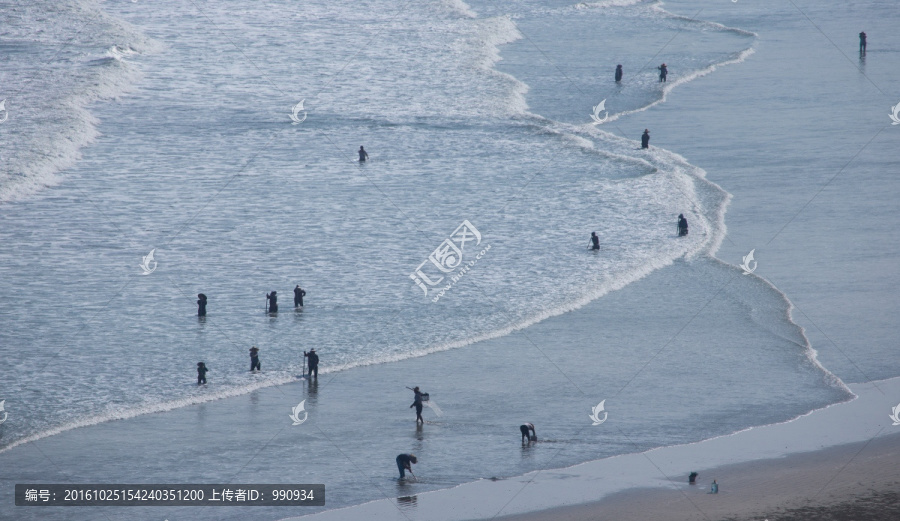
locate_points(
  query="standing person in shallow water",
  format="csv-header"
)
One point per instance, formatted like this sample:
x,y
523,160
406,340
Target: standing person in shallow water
x,y
663,72
363,155
403,463
595,241
645,139
201,305
682,225
618,73
313,362
298,296
254,359
273,301
862,42
417,403
201,373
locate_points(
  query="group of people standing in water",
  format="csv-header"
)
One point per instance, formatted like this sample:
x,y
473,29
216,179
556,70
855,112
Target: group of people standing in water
x,y
682,231
271,301
271,307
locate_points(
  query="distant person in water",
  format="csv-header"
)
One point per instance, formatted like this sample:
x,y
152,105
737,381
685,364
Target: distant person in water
x,y
313,362
363,155
862,42
201,305
254,359
273,301
417,403
201,373
526,436
404,463
298,296
645,139
595,241
618,73
682,225
714,488
663,72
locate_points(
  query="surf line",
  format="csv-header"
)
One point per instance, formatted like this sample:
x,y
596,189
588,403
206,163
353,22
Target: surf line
x,y
461,273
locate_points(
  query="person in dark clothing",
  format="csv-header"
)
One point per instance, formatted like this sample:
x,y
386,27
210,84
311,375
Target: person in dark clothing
x,y
313,362
595,241
363,155
663,72
862,42
524,429
692,478
618,73
201,373
273,301
254,359
645,139
201,305
682,225
404,463
417,403
298,296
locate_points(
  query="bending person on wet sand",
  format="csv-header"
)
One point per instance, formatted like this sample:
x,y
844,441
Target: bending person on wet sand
x,y
524,429
403,464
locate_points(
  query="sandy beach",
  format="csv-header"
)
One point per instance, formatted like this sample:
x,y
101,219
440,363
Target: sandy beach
x,y
856,481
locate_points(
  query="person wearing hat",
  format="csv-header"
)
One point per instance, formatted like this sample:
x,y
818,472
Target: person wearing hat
x,y
313,362
663,72
403,463
273,301
254,359
645,139
201,305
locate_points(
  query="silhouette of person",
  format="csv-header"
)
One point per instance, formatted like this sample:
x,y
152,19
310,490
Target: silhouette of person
x,y
201,305
618,73
417,403
692,478
524,429
313,362
363,155
273,301
201,373
298,296
682,225
862,42
714,488
595,241
254,359
663,72
403,463
645,139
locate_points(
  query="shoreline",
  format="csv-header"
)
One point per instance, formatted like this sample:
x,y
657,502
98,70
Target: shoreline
x,y
855,481
785,464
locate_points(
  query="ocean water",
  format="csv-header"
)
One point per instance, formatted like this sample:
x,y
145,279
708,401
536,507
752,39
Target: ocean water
x,y
475,112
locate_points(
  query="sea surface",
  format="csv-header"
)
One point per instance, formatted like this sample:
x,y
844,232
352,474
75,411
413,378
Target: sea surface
x,y
166,127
